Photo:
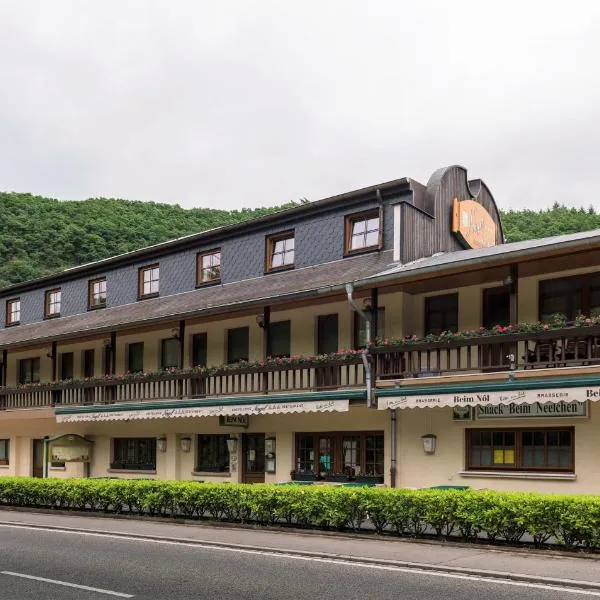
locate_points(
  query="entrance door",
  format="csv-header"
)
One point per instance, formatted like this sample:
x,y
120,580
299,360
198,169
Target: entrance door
x,y
496,311
37,469
254,457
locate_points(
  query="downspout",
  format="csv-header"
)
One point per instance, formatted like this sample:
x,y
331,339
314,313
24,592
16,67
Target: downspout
x,y
393,447
364,354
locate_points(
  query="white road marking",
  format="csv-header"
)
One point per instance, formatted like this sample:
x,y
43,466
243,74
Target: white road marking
x,y
87,588
499,579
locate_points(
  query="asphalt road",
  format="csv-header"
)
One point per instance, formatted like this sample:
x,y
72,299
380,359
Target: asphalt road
x,y
157,569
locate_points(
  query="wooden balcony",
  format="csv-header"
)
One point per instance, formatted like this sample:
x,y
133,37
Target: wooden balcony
x,y
569,346
251,380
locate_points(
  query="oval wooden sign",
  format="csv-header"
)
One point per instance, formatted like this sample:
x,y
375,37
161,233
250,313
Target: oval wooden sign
x,y
472,224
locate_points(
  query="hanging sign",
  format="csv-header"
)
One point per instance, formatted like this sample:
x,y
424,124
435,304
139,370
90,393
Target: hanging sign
x,y
472,224
234,420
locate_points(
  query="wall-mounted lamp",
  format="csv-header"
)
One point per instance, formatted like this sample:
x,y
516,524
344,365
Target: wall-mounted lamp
x,y
508,280
107,344
185,443
232,443
50,354
429,443
367,304
161,443
260,320
175,333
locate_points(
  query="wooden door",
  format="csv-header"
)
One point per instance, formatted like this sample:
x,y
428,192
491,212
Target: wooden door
x,y
37,469
253,450
496,311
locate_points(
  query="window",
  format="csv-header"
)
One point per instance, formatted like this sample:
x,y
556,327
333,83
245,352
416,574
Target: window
x,y
13,312
209,267
4,452
359,334
134,454
441,314
280,251
29,370
52,304
327,334
570,297
169,353
213,455
97,293
520,449
148,284
279,339
135,357
66,366
199,350
238,344
362,231
350,453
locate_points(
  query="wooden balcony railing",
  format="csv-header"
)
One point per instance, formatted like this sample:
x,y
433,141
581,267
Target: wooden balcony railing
x,y
302,377
569,346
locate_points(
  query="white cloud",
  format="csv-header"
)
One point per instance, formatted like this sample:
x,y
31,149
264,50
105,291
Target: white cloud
x,y
247,103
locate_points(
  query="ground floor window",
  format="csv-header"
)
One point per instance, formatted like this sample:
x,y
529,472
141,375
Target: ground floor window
x,y
134,453
4,451
350,454
212,455
521,449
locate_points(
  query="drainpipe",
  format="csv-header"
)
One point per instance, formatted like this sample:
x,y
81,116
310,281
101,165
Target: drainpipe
x,y
393,447
364,354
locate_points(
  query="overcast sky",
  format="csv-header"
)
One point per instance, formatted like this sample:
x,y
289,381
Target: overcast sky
x,y
232,104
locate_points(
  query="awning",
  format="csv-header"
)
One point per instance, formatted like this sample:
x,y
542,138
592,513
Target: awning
x,y
562,397
170,410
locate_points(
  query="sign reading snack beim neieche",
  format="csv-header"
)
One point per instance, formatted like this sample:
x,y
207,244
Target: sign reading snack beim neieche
x,y
537,409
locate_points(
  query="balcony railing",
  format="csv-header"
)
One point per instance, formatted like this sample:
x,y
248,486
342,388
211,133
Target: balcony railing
x,y
569,346
303,377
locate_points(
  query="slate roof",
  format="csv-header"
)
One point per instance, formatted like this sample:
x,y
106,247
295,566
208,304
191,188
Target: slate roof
x,y
277,287
218,298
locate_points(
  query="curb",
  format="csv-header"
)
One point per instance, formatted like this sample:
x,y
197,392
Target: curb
x,y
340,558
550,552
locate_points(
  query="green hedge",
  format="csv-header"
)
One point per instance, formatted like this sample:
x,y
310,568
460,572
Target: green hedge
x,y
573,521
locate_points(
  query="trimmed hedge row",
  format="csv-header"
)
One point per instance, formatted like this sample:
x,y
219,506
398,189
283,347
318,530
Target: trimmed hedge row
x,y
573,521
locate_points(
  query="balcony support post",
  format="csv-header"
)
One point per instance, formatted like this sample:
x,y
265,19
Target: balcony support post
x,y
3,373
513,304
113,352
53,359
266,327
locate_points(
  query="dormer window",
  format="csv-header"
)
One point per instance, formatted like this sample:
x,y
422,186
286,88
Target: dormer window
x,y
280,251
97,293
209,267
363,232
13,312
148,282
52,303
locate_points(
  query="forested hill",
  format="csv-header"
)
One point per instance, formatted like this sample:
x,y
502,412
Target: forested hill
x,y
39,235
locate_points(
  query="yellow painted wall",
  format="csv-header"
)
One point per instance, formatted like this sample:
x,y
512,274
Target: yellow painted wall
x,y
416,469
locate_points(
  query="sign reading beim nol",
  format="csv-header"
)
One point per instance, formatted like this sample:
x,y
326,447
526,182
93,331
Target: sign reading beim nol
x,y
472,224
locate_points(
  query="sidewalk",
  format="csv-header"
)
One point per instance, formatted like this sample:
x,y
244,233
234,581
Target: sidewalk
x,y
516,563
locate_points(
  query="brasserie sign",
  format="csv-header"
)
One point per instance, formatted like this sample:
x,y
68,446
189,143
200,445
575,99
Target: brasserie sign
x,y
559,397
537,409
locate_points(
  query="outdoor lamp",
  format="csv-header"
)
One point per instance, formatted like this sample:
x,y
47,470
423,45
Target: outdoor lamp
x,y
429,443
161,443
185,443
232,445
